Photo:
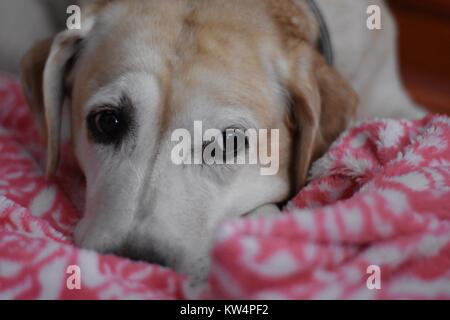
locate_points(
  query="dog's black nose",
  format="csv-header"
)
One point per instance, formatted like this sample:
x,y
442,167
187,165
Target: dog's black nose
x,y
137,253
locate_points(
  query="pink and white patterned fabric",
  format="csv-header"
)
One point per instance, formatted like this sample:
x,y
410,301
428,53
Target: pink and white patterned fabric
x,y
379,197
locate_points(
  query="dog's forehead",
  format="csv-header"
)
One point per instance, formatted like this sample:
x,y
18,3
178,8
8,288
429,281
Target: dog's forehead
x,y
190,51
213,32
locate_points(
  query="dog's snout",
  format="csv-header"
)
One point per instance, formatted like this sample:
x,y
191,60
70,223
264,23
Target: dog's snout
x,y
138,253
123,246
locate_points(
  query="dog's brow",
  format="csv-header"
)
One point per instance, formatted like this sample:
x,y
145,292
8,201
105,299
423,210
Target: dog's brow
x,y
125,101
122,101
129,90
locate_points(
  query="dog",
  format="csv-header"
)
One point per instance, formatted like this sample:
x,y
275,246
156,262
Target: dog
x,y
138,70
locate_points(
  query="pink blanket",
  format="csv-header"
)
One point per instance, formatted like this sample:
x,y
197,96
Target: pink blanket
x,y
374,223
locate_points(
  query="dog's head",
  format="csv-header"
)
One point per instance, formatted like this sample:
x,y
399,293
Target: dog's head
x,y
139,70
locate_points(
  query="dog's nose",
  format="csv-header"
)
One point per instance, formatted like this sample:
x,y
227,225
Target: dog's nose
x,y
137,253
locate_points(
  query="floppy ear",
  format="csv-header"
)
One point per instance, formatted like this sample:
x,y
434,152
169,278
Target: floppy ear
x,y
45,68
323,104
33,64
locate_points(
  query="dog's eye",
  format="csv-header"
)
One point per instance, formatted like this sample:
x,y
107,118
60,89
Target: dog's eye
x,y
107,126
234,140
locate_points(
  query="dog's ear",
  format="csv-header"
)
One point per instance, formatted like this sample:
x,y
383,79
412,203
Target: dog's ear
x,y
323,104
33,64
45,68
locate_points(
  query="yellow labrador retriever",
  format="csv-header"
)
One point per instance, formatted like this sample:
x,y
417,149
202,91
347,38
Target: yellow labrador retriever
x,y
138,70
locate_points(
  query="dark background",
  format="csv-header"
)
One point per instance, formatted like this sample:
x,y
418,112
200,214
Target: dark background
x,y
424,30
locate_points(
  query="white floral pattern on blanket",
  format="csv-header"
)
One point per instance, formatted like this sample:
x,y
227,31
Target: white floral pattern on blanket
x,y
380,196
